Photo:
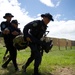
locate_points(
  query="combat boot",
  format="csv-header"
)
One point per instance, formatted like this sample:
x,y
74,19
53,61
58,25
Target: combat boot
x,y
4,66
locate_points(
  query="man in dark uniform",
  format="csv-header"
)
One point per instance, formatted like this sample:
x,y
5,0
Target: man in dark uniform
x,y
14,31
4,29
9,33
33,32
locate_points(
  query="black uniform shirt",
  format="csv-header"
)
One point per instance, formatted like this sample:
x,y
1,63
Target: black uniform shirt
x,y
5,25
35,28
8,38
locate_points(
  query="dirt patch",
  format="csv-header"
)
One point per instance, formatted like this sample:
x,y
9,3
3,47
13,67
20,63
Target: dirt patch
x,y
64,71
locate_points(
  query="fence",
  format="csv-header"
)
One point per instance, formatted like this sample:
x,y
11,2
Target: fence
x,y
62,43
57,42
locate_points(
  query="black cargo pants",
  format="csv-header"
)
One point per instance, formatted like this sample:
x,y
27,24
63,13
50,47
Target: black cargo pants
x,y
35,55
13,54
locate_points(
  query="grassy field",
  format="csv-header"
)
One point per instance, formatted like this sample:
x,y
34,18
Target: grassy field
x,y
50,62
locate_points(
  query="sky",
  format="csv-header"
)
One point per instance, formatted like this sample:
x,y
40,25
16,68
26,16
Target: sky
x,y
25,11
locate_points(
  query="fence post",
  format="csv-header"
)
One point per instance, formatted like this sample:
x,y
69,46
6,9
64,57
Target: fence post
x,y
59,44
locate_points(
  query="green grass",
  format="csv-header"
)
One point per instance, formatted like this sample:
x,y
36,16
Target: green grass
x,y
49,62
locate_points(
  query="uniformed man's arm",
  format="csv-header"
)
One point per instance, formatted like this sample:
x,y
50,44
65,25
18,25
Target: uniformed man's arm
x,y
2,26
4,29
16,32
26,29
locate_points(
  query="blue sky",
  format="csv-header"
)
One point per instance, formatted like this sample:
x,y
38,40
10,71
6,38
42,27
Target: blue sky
x,y
24,11
66,8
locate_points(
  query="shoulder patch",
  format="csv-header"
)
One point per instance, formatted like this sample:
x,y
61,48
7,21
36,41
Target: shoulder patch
x,y
35,24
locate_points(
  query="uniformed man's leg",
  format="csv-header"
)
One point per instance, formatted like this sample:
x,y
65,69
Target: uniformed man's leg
x,y
13,54
4,57
7,62
37,62
30,59
13,57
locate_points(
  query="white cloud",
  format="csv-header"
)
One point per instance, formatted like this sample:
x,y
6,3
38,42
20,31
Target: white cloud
x,y
60,29
48,3
56,17
58,2
13,7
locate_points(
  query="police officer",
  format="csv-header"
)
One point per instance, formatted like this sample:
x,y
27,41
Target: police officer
x,y
9,32
14,31
33,32
4,29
